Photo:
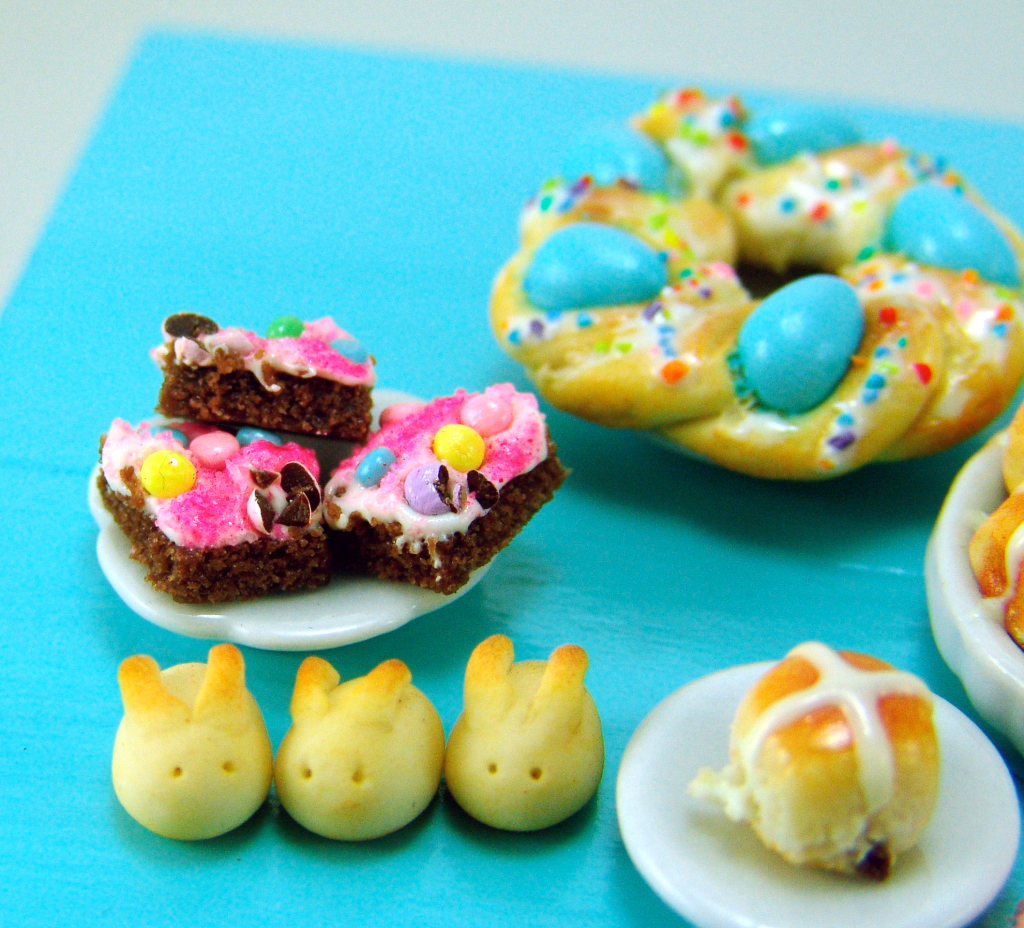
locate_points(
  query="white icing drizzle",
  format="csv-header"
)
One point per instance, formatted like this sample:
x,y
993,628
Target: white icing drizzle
x,y
856,693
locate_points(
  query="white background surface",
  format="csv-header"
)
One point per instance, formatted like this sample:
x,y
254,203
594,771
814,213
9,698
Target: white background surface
x,y
60,59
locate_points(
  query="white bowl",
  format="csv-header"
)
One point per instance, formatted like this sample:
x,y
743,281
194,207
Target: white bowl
x,y
347,610
968,628
718,874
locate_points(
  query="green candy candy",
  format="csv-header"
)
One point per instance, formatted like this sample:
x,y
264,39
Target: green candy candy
x,y
286,327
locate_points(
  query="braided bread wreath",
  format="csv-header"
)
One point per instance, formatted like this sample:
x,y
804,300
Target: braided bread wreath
x,y
624,305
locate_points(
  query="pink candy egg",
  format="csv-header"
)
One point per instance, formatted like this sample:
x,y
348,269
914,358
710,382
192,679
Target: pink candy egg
x,y
398,411
191,430
487,415
213,449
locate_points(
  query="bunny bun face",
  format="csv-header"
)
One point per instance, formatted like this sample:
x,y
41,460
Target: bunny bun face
x,y
192,758
527,751
363,758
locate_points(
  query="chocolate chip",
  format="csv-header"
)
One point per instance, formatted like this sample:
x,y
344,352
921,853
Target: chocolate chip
x,y
189,325
263,478
266,511
445,491
313,495
296,513
875,863
486,492
295,477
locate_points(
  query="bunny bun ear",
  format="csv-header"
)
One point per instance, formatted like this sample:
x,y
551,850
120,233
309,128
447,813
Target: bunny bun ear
x,y
376,695
223,691
559,698
487,690
313,684
146,699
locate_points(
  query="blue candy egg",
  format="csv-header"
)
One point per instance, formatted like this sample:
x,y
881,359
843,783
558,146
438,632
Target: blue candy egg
x,y
778,133
374,466
351,348
246,435
588,264
177,436
796,346
938,226
614,152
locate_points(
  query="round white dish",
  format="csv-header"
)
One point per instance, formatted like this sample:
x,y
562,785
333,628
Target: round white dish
x,y
718,874
968,629
347,610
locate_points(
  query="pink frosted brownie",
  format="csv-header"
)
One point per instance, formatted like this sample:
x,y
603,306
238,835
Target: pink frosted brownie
x,y
213,520
442,487
311,378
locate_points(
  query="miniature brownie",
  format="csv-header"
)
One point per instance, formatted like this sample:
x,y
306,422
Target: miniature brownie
x,y
213,520
441,488
311,378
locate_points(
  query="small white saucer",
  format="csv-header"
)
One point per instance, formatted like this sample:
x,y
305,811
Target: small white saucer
x,y
718,874
968,628
347,610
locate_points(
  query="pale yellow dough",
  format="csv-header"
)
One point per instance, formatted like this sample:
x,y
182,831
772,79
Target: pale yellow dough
x,y
362,758
192,758
527,751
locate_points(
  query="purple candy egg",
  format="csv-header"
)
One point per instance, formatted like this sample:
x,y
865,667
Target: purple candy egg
x,y
421,491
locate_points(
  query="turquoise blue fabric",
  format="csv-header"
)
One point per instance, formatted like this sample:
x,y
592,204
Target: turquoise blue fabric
x,y
246,181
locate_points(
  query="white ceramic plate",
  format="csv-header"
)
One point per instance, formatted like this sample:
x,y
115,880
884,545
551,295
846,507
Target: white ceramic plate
x,y
718,874
968,629
349,609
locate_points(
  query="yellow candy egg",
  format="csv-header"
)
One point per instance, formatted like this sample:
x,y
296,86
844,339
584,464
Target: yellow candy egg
x,y
460,446
165,474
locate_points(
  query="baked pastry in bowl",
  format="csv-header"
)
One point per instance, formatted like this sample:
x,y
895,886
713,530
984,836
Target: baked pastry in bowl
x,y
972,575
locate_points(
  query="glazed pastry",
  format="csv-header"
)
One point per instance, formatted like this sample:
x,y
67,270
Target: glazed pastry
x,y
996,550
442,487
311,378
527,751
192,758
362,758
834,761
625,307
214,515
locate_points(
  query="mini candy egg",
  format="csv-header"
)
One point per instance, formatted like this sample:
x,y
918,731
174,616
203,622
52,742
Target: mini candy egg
x,y
487,415
286,327
177,436
397,411
778,133
796,346
460,446
374,466
246,435
938,226
213,449
165,474
351,348
428,493
613,152
589,264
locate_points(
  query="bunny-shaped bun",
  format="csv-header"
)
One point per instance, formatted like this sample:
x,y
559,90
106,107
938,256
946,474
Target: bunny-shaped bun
x,y
527,750
362,758
192,758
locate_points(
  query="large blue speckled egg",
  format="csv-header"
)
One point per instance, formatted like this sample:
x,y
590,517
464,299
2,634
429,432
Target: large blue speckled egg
x,y
589,264
614,152
796,346
939,226
785,130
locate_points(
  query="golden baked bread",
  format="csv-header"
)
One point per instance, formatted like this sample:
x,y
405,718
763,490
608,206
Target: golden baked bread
x,y
362,758
834,761
625,307
527,751
996,550
192,758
